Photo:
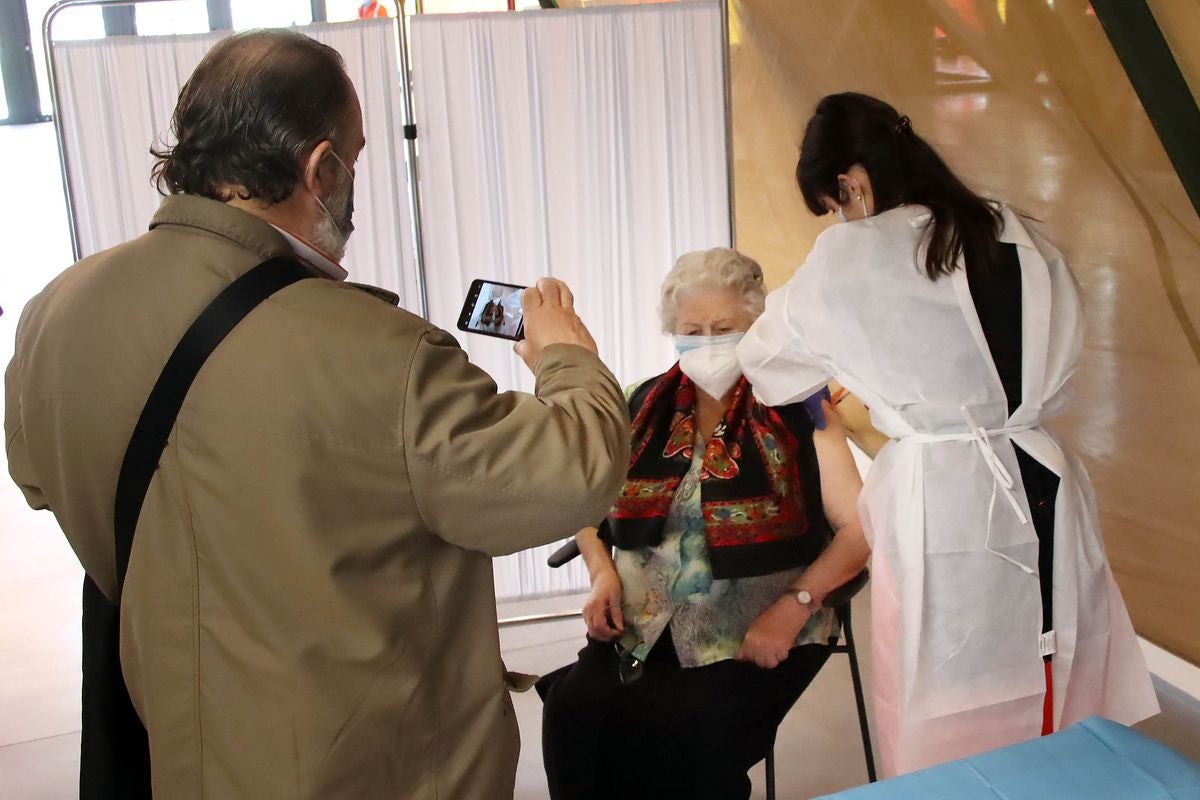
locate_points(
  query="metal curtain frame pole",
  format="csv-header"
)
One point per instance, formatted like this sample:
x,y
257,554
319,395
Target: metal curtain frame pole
x,y
410,147
64,160
56,105
535,619
728,79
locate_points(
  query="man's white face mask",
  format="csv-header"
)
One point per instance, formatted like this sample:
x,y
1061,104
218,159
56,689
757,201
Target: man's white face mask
x,y
333,232
710,362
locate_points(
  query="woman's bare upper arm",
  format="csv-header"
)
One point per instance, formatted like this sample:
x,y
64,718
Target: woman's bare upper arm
x,y
840,479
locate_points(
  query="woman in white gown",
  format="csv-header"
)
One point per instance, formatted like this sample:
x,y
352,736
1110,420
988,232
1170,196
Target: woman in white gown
x,y
994,613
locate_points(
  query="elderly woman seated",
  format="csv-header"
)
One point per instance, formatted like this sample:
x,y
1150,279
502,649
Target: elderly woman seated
x,y
734,523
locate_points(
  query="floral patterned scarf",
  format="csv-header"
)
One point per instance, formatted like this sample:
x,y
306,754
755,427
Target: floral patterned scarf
x,y
760,489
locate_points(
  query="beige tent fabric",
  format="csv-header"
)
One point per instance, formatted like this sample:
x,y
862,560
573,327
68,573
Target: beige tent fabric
x,y
1028,102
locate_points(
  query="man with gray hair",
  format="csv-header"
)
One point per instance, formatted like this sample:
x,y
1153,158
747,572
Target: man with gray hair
x,y
307,609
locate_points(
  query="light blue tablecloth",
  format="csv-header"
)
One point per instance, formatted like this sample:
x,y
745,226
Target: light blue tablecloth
x,y
1093,760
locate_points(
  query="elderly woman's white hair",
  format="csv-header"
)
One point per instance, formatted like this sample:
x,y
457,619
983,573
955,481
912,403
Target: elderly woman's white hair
x,y
719,267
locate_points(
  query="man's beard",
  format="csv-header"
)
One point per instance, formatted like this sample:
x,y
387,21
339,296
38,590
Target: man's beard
x,y
331,236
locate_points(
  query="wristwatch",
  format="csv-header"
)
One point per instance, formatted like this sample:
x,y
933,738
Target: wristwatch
x,y
805,598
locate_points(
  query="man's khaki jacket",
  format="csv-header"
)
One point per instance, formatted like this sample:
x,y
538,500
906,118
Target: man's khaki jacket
x,y
309,609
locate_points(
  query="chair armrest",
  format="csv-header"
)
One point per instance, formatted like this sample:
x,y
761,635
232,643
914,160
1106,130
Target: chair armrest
x,y
562,555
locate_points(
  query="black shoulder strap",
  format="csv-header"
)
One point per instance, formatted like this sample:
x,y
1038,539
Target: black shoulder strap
x,y
158,415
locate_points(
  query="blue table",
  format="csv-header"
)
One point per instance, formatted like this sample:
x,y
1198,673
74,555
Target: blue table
x,y
1093,760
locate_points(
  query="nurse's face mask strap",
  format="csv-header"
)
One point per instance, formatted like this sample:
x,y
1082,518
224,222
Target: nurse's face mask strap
x,y
846,194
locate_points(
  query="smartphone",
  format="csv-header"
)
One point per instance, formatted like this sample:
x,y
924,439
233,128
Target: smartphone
x,y
493,309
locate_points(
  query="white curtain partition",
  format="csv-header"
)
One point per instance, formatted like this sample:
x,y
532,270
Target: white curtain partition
x,y
588,145
118,94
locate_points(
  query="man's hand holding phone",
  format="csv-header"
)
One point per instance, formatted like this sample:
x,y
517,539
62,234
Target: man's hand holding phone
x,y
550,319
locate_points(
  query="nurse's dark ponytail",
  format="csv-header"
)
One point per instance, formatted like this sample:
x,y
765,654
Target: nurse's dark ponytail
x,y
849,129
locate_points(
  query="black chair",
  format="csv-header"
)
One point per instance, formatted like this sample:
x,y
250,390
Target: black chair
x,y
839,600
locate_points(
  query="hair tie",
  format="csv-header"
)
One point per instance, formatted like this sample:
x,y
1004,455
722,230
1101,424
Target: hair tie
x,y
904,125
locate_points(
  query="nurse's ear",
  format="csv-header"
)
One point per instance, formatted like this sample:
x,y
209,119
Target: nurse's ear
x,y
850,188
855,184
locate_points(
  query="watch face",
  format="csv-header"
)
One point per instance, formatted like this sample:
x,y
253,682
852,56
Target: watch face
x,y
804,597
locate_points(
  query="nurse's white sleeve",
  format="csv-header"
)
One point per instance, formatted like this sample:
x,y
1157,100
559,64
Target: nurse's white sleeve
x,y
777,354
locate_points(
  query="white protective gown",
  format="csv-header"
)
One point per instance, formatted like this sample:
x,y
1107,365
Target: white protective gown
x,y
956,607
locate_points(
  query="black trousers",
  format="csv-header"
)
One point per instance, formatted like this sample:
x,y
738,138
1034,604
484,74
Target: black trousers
x,y
674,732
1041,490
114,758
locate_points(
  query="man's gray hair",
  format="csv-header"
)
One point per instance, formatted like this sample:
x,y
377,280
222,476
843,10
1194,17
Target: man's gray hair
x,y
254,108
718,268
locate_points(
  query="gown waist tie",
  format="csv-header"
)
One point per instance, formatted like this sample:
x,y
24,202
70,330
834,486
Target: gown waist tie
x,y
1002,480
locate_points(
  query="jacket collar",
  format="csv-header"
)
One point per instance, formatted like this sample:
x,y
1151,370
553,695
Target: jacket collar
x,y
227,222
245,229
312,256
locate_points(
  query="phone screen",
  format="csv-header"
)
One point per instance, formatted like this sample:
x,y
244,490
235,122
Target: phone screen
x,y
493,309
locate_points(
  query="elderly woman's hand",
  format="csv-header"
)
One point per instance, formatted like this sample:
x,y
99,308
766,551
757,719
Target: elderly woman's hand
x,y
602,611
772,636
